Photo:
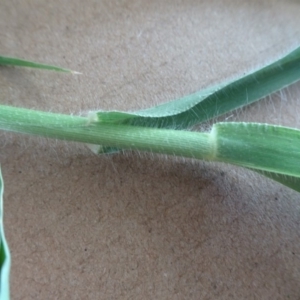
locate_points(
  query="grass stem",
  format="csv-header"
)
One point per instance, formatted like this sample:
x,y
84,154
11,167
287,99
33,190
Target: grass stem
x,y
81,129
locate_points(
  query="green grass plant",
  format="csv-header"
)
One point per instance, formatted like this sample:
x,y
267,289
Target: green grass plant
x,y
271,150
262,147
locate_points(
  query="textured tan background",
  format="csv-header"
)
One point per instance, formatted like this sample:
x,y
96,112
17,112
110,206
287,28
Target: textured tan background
x,y
139,226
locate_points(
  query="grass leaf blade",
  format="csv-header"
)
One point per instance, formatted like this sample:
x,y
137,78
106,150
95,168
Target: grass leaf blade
x,y
12,61
214,101
4,252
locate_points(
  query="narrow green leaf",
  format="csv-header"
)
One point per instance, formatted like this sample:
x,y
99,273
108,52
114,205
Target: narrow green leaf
x,y
4,252
12,61
216,100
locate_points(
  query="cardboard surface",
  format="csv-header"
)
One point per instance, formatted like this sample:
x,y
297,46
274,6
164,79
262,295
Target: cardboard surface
x,y
143,226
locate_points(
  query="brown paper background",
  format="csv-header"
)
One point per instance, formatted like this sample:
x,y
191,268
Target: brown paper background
x,y
143,226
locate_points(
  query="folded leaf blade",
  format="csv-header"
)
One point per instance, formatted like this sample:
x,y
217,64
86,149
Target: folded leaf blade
x,y
216,100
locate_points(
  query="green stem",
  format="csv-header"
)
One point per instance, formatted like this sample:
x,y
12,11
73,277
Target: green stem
x,y
82,129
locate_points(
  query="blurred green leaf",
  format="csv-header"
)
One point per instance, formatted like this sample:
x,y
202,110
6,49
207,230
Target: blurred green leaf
x,y
4,252
12,61
289,181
